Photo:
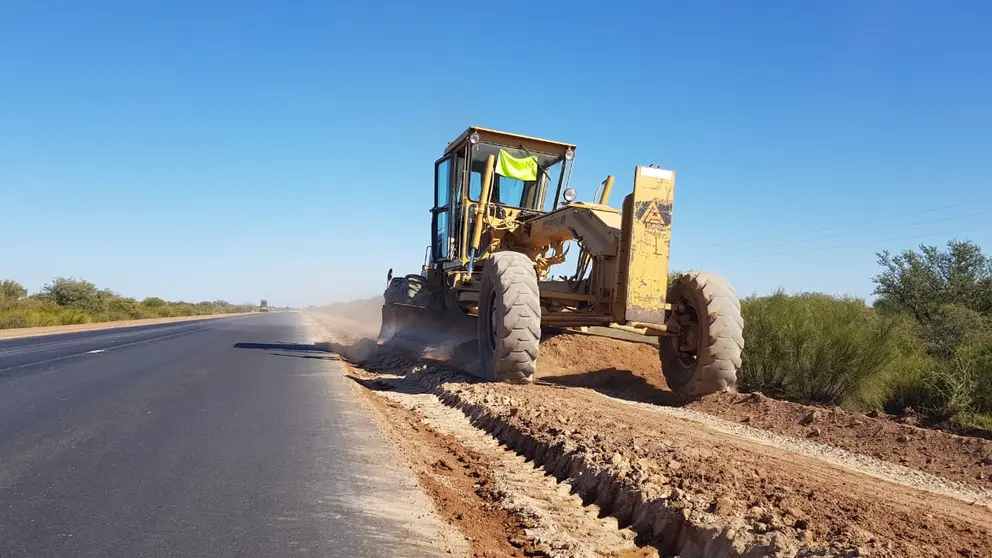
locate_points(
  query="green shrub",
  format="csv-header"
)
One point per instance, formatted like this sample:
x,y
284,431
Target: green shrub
x,y
949,294
818,348
920,281
973,421
822,349
951,326
14,317
12,290
950,388
71,316
36,313
153,302
68,291
963,383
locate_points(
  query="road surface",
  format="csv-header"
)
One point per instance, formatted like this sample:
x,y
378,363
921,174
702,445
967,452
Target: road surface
x,y
227,437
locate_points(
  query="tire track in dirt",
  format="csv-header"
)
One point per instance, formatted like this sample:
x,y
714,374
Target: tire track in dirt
x,y
855,462
692,489
630,371
554,521
703,493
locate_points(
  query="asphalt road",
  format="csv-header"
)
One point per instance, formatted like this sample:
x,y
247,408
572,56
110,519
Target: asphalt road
x,y
227,437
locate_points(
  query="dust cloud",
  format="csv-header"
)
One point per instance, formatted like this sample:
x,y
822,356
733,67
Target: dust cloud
x,y
355,326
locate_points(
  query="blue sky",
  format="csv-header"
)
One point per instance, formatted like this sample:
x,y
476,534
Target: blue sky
x,y
241,150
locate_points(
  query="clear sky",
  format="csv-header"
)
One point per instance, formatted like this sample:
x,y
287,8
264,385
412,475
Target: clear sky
x,y
241,150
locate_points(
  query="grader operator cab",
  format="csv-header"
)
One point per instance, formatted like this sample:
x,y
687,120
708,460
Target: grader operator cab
x,y
496,233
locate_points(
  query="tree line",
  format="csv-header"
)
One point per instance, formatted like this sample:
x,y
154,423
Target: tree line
x,y
67,300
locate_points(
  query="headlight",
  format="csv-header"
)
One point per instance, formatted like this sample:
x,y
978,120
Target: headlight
x,y
474,138
569,155
569,195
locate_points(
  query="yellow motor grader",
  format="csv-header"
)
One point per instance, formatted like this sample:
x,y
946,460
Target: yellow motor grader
x,y
495,235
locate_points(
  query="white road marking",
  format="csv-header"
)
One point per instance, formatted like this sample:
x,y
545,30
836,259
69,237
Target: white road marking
x,y
64,357
95,351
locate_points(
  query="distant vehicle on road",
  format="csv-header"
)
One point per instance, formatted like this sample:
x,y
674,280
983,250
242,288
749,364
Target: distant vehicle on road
x,y
264,306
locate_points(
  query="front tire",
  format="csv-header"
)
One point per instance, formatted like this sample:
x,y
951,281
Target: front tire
x,y
509,324
703,356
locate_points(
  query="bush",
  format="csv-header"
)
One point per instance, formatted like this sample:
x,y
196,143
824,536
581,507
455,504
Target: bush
x,y
949,293
67,291
70,316
952,325
950,388
921,281
928,346
120,308
817,348
12,290
39,313
963,383
14,317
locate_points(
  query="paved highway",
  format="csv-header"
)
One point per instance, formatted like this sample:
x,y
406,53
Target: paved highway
x,y
228,437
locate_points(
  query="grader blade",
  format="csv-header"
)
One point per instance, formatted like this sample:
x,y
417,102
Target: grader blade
x,y
442,335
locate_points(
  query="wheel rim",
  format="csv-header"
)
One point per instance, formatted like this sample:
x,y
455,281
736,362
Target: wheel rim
x,y
686,342
492,322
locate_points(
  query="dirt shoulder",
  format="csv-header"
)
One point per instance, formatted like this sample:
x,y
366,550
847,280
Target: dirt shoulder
x,y
52,330
455,478
501,504
769,498
692,483
964,459
631,371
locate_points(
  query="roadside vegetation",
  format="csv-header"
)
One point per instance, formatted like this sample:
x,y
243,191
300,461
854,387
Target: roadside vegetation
x,y
925,347
66,301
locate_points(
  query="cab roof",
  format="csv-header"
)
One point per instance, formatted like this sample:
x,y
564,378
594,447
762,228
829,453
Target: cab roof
x,y
511,140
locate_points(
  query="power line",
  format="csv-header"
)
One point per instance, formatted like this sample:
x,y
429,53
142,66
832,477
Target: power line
x,y
868,243
829,237
856,223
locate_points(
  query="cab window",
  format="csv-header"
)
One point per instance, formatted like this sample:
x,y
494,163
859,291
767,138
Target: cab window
x,y
511,191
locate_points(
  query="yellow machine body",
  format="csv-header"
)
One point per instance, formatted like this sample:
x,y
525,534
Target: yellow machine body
x,y
499,193
624,252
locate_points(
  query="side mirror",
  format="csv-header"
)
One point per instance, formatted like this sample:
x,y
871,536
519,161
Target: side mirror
x,y
389,276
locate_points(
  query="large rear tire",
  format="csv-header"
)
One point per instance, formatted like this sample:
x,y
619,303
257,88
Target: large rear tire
x,y
703,356
509,324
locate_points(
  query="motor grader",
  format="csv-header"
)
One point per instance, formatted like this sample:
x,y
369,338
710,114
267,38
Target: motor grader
x,y
495,236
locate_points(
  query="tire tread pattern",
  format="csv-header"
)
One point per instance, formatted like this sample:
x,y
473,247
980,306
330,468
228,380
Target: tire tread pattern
x,y
722,344
518,305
